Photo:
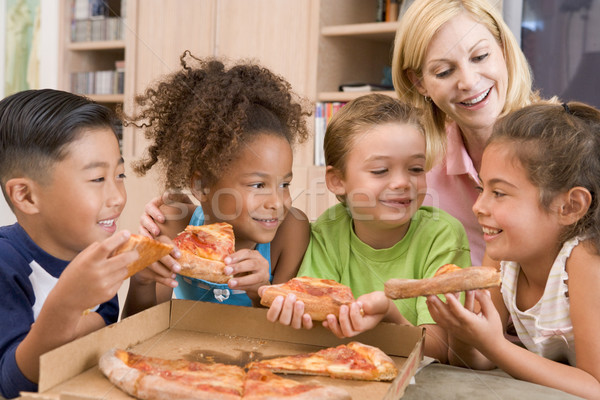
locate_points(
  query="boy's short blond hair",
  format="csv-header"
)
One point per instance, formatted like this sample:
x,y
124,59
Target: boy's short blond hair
x,y
361,114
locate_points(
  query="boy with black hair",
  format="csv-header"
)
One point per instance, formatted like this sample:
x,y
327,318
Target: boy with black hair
x,y
62,174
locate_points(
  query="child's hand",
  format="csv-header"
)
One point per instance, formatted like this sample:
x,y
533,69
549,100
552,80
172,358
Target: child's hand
x,y
150,217
364,314
478,329
162,271
288,311
153,215
249,268
94,276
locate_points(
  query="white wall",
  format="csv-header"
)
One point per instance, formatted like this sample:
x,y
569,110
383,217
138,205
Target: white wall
x,y
48,64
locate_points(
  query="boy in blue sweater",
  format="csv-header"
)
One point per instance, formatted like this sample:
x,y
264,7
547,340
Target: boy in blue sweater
x,y
62,175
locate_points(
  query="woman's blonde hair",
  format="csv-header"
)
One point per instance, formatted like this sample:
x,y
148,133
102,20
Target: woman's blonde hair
x,y
416,30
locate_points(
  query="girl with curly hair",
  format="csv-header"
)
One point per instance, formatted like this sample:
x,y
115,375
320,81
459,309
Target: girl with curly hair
x,y
226,136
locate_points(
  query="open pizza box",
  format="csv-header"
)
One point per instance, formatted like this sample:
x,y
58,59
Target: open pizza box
x,y
210,332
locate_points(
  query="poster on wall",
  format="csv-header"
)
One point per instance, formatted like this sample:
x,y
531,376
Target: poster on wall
x,y
21,37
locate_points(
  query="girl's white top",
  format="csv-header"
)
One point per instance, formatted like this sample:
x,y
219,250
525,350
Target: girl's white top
x,y
545,328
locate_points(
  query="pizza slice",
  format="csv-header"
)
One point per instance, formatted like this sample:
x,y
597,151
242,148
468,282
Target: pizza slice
x,y
354,360
203,249
320,296
154,378
150,250
448,279
261,384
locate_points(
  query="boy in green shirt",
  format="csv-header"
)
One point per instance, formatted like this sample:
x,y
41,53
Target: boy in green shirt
x,y
377,156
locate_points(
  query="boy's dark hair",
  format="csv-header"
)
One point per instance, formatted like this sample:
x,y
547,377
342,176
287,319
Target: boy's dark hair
x,y
37,125
198,118
559,148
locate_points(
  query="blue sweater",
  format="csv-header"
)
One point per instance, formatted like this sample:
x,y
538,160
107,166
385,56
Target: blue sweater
x,y
27,275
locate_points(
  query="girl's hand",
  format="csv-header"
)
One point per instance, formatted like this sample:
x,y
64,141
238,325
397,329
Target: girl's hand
x,y
249,268
150,217
364,314
478,329
288,311
153,215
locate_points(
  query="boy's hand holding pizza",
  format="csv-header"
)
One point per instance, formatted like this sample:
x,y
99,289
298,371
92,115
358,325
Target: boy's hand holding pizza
x,y
95,275
163,270
288,310
302,300
362,315
353,318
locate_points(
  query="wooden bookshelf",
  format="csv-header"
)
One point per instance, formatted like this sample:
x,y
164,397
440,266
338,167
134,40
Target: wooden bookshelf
x,y
91,57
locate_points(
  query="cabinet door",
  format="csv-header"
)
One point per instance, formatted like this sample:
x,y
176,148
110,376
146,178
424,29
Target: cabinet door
x,y
281,35
159,31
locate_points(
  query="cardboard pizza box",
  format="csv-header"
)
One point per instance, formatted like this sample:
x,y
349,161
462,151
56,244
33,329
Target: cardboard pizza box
x,y
210,332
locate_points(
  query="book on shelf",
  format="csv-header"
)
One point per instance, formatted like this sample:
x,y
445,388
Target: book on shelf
x,y
99,82
323,113
94,20
364,87
388,10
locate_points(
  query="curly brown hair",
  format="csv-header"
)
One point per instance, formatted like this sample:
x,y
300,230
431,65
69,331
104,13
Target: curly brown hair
x,y
197,118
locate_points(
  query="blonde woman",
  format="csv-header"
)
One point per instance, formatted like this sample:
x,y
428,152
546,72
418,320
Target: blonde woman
x,y
458,60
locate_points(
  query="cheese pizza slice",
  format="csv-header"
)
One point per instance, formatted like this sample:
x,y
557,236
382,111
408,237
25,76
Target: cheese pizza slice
x,y
262,384
150,250
203,249
354,360
321,297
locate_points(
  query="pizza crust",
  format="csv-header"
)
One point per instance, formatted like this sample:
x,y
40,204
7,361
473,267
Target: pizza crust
x,y
202,268
317,305
451,282
151,387
150,250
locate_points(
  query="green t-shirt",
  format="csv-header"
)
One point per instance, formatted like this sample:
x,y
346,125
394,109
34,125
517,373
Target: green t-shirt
x,y
434,238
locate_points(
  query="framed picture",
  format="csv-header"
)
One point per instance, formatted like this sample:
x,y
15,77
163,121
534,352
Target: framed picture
x,y
21,34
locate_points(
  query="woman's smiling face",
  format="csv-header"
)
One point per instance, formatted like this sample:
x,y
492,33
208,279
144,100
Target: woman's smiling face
x,y
465,73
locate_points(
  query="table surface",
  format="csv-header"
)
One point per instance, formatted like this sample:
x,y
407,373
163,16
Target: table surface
x,y
438,381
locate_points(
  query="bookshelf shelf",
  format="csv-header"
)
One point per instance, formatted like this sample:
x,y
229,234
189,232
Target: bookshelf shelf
x,y
347,96
97,45
106,98
377,31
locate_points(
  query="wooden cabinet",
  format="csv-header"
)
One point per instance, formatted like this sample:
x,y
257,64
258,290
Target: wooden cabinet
x,y
352,47
277,34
